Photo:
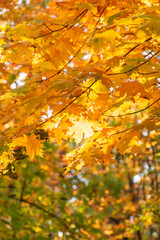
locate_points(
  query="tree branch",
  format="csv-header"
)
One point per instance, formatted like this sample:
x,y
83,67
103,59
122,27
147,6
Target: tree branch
x,y
23,188
147,73
130,70
57,30
141,110
33,204
136,47
91,35
71,101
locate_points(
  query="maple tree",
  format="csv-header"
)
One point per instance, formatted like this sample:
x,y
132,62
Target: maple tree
x,y
83,73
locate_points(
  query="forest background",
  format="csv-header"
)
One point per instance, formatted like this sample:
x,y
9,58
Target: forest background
x,y
79,119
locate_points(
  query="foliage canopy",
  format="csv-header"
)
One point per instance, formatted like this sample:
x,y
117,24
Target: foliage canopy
x,y
80,80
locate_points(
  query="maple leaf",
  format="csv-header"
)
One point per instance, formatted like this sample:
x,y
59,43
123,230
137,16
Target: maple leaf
x,y
132,88
109,37
82,129
127,141
32,145
5,159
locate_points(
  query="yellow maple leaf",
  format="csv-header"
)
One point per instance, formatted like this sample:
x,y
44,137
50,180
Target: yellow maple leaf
x,y
81,130
32,145
5,159
109,37
127,141
49,125
80,165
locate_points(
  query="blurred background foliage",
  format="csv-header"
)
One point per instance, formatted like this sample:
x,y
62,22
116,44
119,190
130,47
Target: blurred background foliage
x,y
118,201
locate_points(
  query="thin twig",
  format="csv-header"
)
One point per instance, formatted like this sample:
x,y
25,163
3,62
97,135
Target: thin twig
x,y
23,188
130,70
47,212
57,30
149,73
65,26
126,114
136,47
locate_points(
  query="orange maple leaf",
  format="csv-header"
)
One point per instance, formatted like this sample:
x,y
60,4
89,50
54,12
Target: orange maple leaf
x,y
32,145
